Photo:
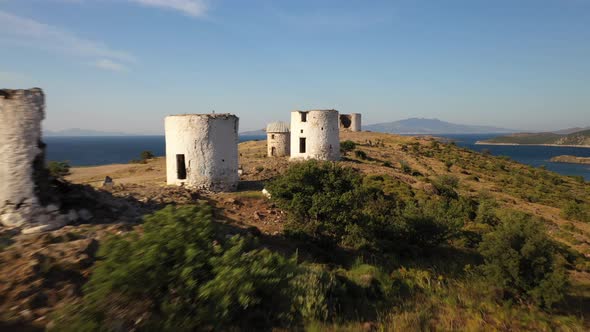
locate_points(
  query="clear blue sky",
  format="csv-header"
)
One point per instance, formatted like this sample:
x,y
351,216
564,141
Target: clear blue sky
x,y
122,65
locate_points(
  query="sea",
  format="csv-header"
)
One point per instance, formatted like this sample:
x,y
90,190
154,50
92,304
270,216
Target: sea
x,y
89,151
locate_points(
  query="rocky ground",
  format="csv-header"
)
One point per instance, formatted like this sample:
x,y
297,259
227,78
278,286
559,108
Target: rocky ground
x,y
42,272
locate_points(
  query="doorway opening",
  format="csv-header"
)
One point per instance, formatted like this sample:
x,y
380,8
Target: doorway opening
x,y
180,167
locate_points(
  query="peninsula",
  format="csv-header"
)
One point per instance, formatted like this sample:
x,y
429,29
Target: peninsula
x,y
571,160
576,139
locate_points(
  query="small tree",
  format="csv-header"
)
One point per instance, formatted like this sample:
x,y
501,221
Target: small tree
x,y
347,146
522,261
58,169
146,155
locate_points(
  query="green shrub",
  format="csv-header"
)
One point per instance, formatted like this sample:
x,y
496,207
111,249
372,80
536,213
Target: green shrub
x,y
318,294
334,205
58,169
448,165
146,155
486,212
347,146
360,154
576,211
322,199
405,167
182,274
446,185
521,260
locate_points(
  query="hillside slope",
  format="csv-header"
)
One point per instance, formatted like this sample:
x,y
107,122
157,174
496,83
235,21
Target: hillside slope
x,y
40,274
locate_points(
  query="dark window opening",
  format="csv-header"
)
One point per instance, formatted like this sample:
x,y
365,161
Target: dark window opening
x,y
272,136
301,145
180,167
345,121
303,117
302,131
273,151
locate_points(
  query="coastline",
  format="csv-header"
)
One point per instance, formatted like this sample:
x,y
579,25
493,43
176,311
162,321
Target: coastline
x,y
571,160
516,144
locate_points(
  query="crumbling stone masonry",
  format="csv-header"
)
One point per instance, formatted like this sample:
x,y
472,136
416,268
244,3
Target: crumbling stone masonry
x,y
315,135
278,139
25,198
350,122
202,151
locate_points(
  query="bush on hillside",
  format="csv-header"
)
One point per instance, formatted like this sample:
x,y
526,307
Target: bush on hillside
x,y
360,154
522,261
445,186
180,274
336,205
322,199
576,211
405,167
146,155
347,146
58,169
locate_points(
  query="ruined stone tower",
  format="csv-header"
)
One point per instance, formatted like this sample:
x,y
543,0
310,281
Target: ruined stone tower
x,y
202,151
278,139
350,122
25,197
315,135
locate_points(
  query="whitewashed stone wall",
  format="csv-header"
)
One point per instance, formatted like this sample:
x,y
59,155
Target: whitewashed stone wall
x,y
321,133
22,177
209,143
280,142
350,122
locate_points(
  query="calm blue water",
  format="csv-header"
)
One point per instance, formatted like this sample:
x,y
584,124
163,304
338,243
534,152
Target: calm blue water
x,y
86,151
89,151
531,155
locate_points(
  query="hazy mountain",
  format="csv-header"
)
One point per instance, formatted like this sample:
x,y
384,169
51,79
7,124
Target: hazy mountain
x,y
570,130
432,126
83,132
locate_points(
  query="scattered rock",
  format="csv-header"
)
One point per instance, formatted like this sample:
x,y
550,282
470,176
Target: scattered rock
x,y
72,216
85,215
12,220
52,208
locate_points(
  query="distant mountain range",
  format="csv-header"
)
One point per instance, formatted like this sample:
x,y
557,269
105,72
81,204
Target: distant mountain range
x,y
570,130
432,127
578,138
416,126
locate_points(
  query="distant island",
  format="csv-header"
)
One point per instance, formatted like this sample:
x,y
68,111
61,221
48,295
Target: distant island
x,y
575,139
421,126
571,160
